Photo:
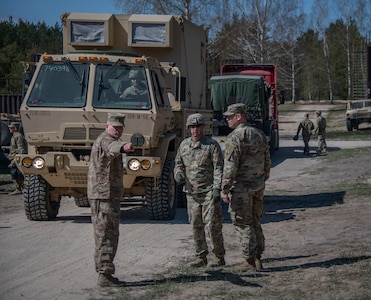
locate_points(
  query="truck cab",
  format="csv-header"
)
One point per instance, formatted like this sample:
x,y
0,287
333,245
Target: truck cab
x,y
108,65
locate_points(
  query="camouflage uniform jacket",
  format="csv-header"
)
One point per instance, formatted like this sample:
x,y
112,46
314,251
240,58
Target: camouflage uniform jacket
x,y
306,126
247,160
105,177
18,145
201,163
321,125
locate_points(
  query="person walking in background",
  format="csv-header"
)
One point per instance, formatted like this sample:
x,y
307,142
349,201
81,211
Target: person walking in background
x,y
305,126
246,168
321,131
105,189
199,164
18,145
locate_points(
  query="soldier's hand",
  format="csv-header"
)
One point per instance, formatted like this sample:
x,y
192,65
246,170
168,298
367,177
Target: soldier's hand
x,y
128,147
179,177
225,198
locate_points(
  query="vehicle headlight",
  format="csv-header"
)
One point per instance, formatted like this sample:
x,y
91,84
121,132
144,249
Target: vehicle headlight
x,y
134,164
27,162
38,163
146,164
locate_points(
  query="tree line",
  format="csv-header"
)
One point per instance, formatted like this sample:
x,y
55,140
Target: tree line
x,y
319,55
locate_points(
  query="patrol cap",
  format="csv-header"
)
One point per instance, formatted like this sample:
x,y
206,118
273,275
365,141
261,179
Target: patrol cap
x,y
237,108
116,119
195,119
134,74
14,124
318,112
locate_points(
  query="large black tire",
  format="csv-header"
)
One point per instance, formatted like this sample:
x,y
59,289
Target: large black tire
x,y
161,200
37,204
349,125
5,134
82,202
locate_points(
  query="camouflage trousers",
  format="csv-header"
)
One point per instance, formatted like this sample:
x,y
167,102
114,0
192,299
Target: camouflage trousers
x,y
322,146
306,139
105,217
246,210
206,218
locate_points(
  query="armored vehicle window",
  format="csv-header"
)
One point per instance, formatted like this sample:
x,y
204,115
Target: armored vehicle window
x,y
121,87
60,85
157,89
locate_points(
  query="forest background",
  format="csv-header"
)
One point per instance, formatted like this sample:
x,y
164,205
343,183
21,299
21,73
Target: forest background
x,y
320,55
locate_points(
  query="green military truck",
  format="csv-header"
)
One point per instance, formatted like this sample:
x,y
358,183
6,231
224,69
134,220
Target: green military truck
x,y
70,95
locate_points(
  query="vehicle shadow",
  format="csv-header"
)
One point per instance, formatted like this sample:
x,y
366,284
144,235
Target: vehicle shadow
x,y
278,208
296,152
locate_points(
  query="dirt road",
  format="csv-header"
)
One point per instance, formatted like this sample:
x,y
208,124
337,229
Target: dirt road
x,y
318,241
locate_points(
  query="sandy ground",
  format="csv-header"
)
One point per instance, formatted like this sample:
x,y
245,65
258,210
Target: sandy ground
x,y
314,233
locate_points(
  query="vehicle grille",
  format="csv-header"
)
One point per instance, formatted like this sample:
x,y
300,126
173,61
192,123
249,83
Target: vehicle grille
x,y
94,132
77,178
75,133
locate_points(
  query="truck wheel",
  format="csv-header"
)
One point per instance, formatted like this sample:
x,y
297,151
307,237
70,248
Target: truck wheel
x,y
82,202
161,199
5,134
349,125
181,196
36,198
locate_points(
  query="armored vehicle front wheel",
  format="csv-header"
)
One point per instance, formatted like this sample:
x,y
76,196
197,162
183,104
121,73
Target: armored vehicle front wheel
x,y
161,199
36,198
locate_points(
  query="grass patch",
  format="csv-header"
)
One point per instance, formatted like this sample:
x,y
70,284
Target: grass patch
x,y
362,134
347,153
355,188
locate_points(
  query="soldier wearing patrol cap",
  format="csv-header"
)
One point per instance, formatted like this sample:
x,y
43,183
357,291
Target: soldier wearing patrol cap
x,y
246,168
105,189
199,165
18,145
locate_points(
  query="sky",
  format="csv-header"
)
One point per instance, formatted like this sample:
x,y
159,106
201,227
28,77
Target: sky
x,y
49,11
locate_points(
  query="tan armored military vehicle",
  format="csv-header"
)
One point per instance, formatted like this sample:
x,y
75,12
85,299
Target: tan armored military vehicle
x,y
358,111
68,99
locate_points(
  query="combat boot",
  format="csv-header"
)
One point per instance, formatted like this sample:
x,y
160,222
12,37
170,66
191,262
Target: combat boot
x,y
199,262
107,280
248,265
217,262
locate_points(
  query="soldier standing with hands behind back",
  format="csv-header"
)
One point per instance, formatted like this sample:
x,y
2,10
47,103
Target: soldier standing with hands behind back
x,y
199,164
246,168
105,189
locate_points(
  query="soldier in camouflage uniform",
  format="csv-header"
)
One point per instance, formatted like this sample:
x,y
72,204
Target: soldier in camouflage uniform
x,y
305,126
199,164
246,168
321,131
105,189
18,145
